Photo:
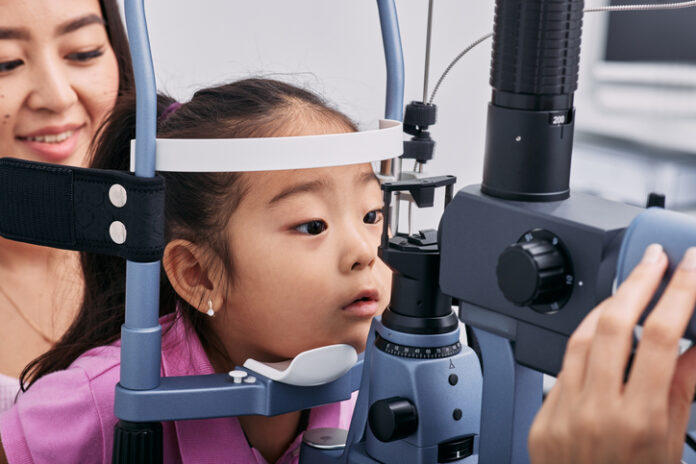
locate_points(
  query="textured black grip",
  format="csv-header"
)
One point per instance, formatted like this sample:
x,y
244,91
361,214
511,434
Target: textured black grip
x,y
536,48
137,443
420,114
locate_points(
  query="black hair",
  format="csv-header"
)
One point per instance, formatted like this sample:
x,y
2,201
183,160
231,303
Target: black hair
x,y
119,43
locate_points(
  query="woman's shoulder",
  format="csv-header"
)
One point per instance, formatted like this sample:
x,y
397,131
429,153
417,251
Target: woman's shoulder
x,y
74,407
85,388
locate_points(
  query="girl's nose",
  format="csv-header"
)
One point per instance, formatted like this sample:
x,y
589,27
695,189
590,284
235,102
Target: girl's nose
x,y
359,249
52,89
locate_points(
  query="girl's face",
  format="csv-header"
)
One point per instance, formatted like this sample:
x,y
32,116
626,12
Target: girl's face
x,y
306,271
58,78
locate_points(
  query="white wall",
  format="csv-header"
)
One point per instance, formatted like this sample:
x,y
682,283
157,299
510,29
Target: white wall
x,y
335,48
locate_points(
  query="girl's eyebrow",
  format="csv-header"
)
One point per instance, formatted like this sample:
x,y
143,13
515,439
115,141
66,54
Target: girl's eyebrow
x,y
317,185
8,33
313,186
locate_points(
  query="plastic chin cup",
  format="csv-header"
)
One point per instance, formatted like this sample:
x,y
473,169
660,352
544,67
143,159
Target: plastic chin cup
x,y
309,368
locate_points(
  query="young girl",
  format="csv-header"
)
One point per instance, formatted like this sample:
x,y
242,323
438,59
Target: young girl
x,y
286,260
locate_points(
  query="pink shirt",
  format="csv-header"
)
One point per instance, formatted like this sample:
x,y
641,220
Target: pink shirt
x,y
68,416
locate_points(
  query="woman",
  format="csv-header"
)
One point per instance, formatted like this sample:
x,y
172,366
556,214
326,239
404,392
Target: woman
x,y
62,66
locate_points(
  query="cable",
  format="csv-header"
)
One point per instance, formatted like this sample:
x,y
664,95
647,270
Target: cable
x,y
654,6
454,61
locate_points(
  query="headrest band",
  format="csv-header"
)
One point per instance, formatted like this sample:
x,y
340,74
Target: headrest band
x,y
278,153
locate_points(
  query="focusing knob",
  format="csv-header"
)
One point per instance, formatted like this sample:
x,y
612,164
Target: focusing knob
x,y
535,272
393,419
420,114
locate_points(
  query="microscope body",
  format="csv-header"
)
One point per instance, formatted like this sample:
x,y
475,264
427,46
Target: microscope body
x,y
436,377
555,259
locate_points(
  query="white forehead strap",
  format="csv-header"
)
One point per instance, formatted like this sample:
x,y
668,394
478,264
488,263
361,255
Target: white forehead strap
x,y
278,153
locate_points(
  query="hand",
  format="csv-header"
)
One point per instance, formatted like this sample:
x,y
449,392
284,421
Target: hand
x,y
591,415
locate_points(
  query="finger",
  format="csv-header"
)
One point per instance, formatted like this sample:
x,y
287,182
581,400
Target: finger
x,y
681,393
613,339
578,349
656,356
543,424
680,399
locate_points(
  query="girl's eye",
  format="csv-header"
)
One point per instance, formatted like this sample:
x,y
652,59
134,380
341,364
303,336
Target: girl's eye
x,y
7,66
312,227
82,57
373,217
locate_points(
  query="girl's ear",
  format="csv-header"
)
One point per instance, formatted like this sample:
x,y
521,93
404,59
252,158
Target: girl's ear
x,y
191,275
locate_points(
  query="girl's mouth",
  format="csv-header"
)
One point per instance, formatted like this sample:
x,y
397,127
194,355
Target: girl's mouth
x,y
365,305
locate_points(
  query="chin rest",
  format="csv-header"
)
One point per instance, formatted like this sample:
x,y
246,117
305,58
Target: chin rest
x,y
309,368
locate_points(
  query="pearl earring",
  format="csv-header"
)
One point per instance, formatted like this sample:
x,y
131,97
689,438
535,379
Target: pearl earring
x,y
211,311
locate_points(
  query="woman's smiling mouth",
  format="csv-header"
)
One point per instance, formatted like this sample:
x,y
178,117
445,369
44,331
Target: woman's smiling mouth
x,y
53,144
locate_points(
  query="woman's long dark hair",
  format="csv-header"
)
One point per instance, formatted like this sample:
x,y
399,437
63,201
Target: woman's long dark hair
x,y
197,205
119,43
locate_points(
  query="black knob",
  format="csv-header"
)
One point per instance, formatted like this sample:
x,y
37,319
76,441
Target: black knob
x,y
655,200
532,273
393,419
420,114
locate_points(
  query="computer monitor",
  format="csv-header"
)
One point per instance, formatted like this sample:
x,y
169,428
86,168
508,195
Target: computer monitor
x,y
638,76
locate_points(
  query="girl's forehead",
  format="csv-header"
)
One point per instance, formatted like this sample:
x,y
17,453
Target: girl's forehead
x,y
275,185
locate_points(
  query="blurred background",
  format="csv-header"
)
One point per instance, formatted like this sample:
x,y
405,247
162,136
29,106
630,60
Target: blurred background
x,y
635,107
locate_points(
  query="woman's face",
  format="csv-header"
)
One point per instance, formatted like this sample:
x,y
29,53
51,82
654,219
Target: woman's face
x,y
58,78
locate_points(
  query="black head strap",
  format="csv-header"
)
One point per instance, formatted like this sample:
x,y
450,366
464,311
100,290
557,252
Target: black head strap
x,y
100,211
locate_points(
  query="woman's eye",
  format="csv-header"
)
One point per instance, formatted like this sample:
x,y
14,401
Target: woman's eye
x,y
373,217
312,227
85,56
7,66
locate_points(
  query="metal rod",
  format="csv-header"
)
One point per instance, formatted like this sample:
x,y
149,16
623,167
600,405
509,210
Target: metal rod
x,y
394,58
141,333
395,213
410,218
387,210
427,51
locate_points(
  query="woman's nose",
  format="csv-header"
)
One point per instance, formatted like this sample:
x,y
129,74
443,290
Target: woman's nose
x,y
52,88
